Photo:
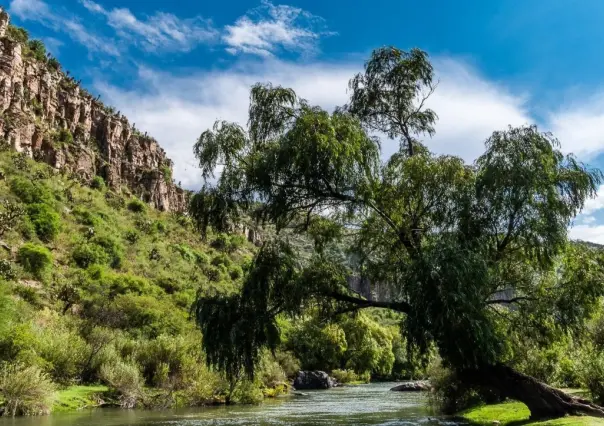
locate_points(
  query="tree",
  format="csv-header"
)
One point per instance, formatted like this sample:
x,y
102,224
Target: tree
x,y
449,238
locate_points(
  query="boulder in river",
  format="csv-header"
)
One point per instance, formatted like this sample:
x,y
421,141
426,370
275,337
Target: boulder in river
x,y
314,380
413,386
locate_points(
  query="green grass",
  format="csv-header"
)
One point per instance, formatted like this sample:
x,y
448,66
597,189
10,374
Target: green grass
x,y
78,397
516,413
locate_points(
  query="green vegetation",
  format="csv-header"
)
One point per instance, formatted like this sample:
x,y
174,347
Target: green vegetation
x,y
516,413
476,257
85,309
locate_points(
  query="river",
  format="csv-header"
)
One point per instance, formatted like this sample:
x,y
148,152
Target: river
x,y
372,404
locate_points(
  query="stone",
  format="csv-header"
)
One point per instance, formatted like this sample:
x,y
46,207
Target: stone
x,y
412,386
37,101
314,380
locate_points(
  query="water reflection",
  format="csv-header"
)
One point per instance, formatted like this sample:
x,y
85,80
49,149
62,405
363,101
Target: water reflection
x,y
370,404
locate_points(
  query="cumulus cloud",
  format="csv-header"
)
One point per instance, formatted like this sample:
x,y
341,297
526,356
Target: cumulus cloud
x,y
270,28
580,126
158,32
176,109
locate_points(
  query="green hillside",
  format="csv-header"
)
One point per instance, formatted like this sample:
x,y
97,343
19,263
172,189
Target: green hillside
x,y
96,287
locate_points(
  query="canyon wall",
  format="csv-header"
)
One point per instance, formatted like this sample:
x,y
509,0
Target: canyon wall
x,y
46,114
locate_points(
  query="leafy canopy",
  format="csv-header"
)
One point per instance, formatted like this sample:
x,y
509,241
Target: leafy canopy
x,y
447,237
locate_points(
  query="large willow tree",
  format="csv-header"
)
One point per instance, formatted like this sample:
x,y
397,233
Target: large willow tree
x,y
449,238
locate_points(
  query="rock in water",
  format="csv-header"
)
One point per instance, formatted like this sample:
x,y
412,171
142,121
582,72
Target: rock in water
x,y
313,380
415,386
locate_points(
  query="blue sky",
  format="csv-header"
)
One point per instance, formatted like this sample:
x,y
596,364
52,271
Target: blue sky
x,y
175,67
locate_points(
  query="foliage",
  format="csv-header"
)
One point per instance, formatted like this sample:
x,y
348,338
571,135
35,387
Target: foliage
x,y
45,220
37,49
594,376
17,34
98,183
166,172
63,136
26,390
10,216
30,192
7,270
126,380
447,238
35,259
137,206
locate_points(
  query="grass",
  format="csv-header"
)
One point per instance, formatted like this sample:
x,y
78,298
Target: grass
x,y
78,397
516,413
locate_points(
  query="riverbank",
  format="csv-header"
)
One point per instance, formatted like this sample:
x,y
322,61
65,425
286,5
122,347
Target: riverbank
x,y
516,413
76,398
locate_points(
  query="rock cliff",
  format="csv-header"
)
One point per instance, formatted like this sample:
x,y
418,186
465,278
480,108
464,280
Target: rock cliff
x,y
46,114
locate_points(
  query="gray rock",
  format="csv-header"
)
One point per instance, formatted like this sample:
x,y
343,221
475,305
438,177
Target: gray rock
x,y
314,380
413,386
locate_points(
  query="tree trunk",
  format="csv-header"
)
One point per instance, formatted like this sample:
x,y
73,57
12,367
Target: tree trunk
x,y
542,400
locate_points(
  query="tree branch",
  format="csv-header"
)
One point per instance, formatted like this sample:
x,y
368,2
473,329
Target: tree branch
x,y
403,307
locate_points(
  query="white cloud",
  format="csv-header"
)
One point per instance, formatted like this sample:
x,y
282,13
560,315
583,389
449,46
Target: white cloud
x,y
580,126
594,204
588,219
158,32
595,233
176,109
269,28
37,10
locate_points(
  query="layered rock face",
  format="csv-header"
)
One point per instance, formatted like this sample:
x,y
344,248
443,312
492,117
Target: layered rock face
x,y
47,115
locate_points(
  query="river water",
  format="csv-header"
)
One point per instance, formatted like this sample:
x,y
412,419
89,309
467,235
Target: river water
x,y
372,404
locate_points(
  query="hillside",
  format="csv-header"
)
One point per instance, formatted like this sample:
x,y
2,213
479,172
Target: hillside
x,y
91,279
45,113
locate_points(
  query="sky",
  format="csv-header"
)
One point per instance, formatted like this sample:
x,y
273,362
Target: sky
x,y
173,68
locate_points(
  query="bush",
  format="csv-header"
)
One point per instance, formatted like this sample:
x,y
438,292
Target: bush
x,y
124,379
35,259
63,136
17,34
346,376
7,271
86,217
45,220
235,272
37,49
97,183
137,206
132,236
112,248
89,254
593,376
10,216
30,192
26,390
247,392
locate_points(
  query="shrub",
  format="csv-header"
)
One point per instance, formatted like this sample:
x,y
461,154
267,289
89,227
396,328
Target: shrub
x,y
7,271
45,220
35,259
125,379
17,33
167,174
593,376
37,49
345,376
288,362
10,216
26,390
137,206
97,183
86,217
132,236
88,254
221,259
112,248
247,392
235,272
54,64
29,192
63,136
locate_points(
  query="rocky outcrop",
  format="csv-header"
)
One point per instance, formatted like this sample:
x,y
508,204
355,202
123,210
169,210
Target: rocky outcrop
x,y
46,114
413,386
314,380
